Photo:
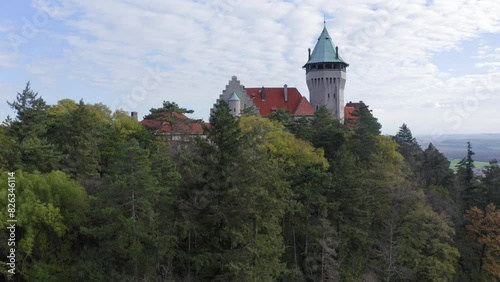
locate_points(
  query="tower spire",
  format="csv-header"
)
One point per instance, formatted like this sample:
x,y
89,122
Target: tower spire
x,y
326,75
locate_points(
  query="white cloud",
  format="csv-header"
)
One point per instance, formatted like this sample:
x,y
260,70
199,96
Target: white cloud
x,y
389,45
7,60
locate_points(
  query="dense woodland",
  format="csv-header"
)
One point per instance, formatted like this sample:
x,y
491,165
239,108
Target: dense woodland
x,y
99,198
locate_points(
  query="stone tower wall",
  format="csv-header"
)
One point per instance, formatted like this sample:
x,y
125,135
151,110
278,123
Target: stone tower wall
x,y
326,87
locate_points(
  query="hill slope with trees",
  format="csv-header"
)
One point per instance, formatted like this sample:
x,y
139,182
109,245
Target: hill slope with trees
x,y
99,198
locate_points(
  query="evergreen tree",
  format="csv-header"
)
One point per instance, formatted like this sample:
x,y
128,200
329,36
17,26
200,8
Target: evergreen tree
x,y
436,167
471,194
171,114
367,127
326,132
76,134
412,153
232,208
283,116
491,182
169,107
404,135
32,150
128,220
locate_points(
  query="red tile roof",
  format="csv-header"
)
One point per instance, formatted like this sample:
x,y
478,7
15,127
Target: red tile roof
x,y
275,99
171,114
183,126
356,105
348,112
304,108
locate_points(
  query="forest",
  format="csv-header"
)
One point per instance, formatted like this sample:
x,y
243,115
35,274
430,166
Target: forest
x,y
100,198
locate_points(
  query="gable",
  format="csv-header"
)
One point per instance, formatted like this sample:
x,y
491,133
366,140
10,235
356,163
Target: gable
x,y
304,108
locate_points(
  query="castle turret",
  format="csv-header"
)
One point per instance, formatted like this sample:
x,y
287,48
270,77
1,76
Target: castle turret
x,y
326,76
235,104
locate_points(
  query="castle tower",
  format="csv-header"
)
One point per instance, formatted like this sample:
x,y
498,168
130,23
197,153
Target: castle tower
x,y
326,76
235,104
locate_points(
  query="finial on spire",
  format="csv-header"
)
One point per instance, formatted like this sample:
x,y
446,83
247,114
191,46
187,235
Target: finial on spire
x,y
324,20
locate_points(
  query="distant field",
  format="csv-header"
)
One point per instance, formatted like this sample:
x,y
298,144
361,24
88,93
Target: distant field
x,y
454,162
485,146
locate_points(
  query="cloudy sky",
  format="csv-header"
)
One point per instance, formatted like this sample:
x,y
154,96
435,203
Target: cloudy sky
x,y
434,65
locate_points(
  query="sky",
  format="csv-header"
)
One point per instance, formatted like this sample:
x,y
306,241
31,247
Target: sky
x,y
434,65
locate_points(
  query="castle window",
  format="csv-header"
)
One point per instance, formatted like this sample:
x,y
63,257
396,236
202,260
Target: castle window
x,y
328,95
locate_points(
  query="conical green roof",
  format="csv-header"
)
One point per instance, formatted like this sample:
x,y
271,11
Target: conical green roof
x,y
324,51
234,97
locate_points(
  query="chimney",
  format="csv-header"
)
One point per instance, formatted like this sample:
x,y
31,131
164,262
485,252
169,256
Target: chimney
x,y
263,94
337,52
134,115
309,51
285,91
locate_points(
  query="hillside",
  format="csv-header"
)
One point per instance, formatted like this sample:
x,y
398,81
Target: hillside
x,y
485,146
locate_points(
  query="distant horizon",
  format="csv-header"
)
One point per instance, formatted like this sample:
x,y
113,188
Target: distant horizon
x,y
433,65
452,134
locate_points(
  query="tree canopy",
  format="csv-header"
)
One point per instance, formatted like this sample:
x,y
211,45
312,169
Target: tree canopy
x,y
100,198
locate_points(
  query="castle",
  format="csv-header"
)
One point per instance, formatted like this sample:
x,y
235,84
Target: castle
x,y
325,77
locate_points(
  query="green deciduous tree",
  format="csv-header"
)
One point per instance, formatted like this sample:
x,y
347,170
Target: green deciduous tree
x,y
50,208
427,245
307,237
7,152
